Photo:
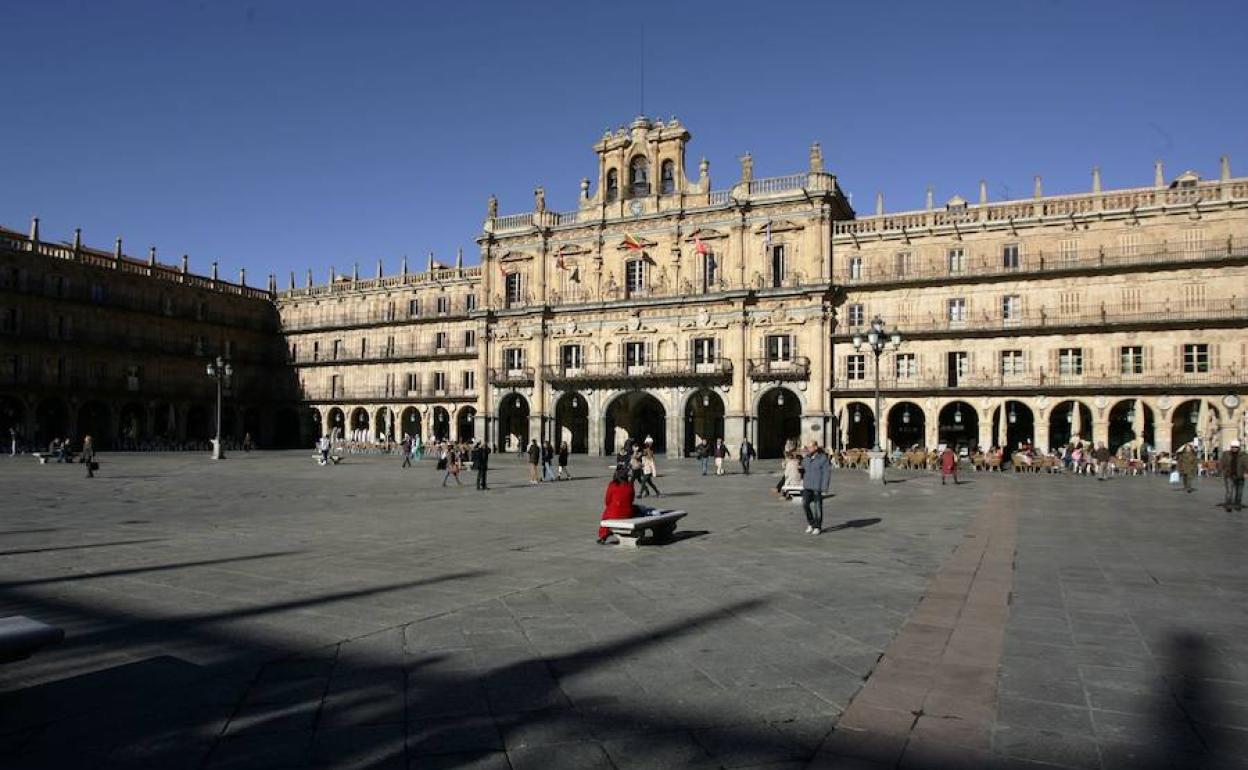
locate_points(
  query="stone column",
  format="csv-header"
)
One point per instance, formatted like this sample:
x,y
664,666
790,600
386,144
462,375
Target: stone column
x,y
1100,430
985,428
675,434
593,438
931,428
1041,430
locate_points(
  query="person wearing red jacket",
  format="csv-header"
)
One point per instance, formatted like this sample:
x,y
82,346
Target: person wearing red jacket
x,y
619,501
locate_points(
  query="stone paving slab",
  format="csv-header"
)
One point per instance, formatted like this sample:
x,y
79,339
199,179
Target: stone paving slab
x,y
266,612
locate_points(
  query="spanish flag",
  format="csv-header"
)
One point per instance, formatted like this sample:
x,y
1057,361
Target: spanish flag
x,y
632,242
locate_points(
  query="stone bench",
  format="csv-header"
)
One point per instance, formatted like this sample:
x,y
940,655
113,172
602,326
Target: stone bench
x,y
335,459
21,636
42,457
791,491
631,531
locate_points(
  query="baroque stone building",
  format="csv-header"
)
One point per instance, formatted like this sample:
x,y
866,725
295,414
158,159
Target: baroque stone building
x,y
663,308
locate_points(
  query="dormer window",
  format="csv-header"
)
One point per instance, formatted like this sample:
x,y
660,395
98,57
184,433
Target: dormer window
x,y
639,176
667,178
613,185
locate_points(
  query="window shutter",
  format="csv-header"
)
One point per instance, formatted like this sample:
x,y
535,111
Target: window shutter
x,y
1087,360
1178,358
1148,358
1213,356
650,354
1054,367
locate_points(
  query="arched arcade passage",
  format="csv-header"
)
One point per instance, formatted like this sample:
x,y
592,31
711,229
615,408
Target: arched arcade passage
x,y
958,425
779,422
907,425
637,415
513,423
704,419
572,422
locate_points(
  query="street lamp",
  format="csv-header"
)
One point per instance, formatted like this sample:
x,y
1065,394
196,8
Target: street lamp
x,y
221,371
877,341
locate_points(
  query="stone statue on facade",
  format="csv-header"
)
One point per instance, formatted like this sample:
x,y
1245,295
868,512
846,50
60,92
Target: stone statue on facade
x,y
491,208
747,168
539,199
816,158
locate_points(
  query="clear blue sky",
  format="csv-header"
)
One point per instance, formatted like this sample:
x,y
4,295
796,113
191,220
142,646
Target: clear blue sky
x,y
289,135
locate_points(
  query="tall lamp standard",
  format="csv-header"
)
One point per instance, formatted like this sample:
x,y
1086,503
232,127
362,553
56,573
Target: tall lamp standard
x,y
877,341
221,371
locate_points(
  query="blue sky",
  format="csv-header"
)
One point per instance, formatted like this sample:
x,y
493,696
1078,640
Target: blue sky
x,y
284,136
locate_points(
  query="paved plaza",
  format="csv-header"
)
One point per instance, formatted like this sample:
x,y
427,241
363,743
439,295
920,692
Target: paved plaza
x,y
264,612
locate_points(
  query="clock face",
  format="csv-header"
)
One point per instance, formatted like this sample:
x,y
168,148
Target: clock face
x,y
635,207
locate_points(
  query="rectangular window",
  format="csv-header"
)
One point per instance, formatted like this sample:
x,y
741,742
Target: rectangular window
x,y
1070,361
1131,299
1069,303
390,346
572,356
857,315
316,351
470,339
956,310
514,295
470,302
1009,256
439,340
439,382
337,350
294,351
363,347
1129,244
710,271
634,276
513,359
469,380
704,350
389,311
413,382
444,305
1195,358
1193,242
99,293
957,260
335,386
777,266
413,308
1193,296
855,268
1131,359
1068,250
1012,363
1011,308
856,366
957,367
903,264
905,366
779,347
634,354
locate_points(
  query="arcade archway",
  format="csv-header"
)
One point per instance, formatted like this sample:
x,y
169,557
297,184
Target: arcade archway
x,y
1130,422
465,426
383,424
859,426
636,415
704,419
572,422
958,425
1013,425
358,426
1194,418
513,423
409,422
779,422
337,423
1069,421
907,425
441,424
50,421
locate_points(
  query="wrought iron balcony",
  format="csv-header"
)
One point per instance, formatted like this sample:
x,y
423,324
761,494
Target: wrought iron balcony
x,y
765,370
422,352
511,378
665,371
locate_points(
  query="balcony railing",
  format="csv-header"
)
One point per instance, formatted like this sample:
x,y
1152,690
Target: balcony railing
x,y
1145,313
511,378
671,370
766,370
383,393
403,280
981,265
382,353
1049,381
352,319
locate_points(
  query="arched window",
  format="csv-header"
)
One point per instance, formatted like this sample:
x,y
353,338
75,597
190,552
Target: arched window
x,y
613,185
667,178
639,176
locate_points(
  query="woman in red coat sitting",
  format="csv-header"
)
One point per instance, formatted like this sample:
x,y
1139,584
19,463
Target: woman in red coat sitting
x,y
619,501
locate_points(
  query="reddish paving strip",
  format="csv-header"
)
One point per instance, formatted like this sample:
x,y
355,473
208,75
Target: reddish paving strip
x,y
931,700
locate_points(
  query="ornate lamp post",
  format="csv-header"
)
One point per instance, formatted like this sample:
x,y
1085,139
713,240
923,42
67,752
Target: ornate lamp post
x,y
877,341
221,371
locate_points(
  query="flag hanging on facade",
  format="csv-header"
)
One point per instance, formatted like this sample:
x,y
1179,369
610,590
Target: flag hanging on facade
x,y
767,236
699,246
559,263
632,242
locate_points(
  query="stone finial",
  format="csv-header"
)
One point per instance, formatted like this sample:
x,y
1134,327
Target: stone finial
x,y
1039,190
214,271
355,271
1096,179
117,250
403,266
151,256
1225,171
704,168
242,276
983,191
34,229
186,263
459,258
491,207
539,199
1159,174
585,188
879,204
929,198
309,278
292,280
333,274
816,159
272,283
78,239
431,262
380,268
747,168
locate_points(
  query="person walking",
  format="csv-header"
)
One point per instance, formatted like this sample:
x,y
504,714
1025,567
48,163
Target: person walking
x,y
548,461
635,466
720,452
481,463
535,457
88,456
1101,455
563,462
453,466
1188,466
1233,465
816,476
322,446
406,448
703,453
745,453
649,469
12,441
948,465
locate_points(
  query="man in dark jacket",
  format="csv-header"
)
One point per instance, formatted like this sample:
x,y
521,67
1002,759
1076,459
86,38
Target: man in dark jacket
x,y
1233,465
745,453
535,457
481,463
816,477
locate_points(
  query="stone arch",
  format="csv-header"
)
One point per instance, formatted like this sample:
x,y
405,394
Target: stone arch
x,y
357,424
907,425
383,423
1130,423
131,424
1186,422
409,422
958,425
636,414
440,423
858,428
199,424
1070,420
1013,424
572,422
779,413
465,426
513,422
337,422
704,417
